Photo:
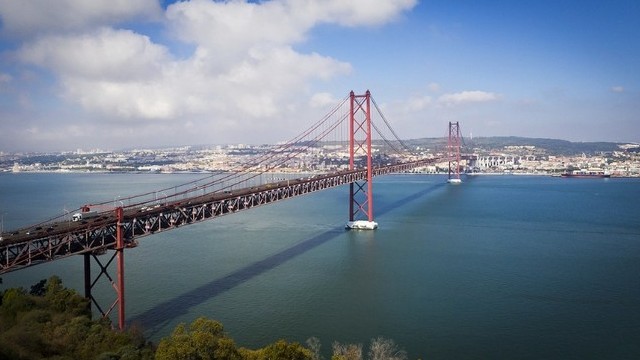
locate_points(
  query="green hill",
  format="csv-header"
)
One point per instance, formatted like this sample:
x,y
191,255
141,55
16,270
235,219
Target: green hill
x,y
497,143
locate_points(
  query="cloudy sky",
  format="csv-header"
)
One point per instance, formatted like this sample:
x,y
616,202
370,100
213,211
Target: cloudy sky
x,y
116,74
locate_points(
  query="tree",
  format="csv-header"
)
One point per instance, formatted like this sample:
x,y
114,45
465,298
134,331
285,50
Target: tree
x,y
205,339
284,350
14,301
314,346
62,299
39,289
385,349
380,349
55,322
346,351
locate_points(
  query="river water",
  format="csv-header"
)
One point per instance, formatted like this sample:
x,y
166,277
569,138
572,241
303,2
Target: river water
x,y
498,267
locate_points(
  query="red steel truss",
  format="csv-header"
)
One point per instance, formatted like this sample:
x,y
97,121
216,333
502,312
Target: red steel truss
x,y
453,150
117,285
360,192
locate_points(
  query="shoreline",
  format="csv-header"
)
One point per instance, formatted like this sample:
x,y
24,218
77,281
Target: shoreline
x,y
205,172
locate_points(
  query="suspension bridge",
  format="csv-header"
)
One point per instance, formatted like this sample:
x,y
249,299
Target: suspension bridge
x,y
98,227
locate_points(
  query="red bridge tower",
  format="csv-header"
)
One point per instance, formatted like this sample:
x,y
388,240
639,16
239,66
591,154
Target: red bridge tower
x,y
360,192
453,152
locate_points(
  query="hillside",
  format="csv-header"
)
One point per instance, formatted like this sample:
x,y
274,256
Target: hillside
x,y
497,143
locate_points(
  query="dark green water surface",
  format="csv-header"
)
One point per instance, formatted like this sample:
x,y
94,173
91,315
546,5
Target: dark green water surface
x,y
499,267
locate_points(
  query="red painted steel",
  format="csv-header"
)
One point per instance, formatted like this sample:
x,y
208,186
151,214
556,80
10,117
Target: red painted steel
x,y
453,149
360,192
118,285
351,151
120,255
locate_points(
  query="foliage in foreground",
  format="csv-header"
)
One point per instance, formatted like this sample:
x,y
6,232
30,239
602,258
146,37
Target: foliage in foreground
x,y
205,339
53,322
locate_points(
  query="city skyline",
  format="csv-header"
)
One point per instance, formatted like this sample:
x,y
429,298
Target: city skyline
x,y
145,73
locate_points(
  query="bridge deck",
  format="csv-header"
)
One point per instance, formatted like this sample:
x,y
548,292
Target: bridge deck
x,y
34,245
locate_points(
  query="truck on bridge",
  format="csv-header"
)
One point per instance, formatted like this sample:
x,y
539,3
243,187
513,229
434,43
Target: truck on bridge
x,y
85,213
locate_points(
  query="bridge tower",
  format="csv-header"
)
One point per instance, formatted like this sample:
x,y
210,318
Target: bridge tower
x,y
453,152
118,284
360,192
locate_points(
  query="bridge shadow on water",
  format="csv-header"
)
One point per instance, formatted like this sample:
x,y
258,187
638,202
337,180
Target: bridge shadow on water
x,y
153,319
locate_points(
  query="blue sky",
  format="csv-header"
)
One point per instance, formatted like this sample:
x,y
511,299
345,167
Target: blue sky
x,y
132,74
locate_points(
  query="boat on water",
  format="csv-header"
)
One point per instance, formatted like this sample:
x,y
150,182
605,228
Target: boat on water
x,y
586,174
454,181
361,225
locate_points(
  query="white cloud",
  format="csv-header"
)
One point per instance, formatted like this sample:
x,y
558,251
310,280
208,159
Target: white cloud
x,y
352,13
228,30
123,100
467,97
5,78
434,87
323,100
122,74
242,73
105,54
116,72
617,89
418,103
232,28
30,17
